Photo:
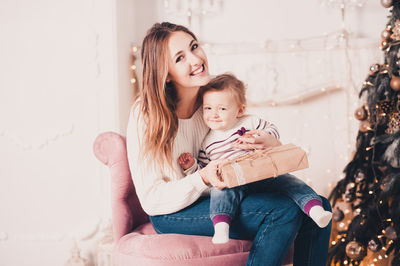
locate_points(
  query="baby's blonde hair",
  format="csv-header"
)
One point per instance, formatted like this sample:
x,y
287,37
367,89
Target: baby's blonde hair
x,y
225,81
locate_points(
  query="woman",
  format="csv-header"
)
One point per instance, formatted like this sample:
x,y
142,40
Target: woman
x,y
165,122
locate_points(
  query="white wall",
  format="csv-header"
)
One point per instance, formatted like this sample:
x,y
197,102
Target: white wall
x,y
64,77
58,90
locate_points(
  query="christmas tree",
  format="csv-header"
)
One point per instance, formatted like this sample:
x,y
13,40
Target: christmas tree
x,y
366,202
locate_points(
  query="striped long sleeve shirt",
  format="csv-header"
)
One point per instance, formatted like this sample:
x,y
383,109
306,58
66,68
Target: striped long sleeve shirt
x,y
217,143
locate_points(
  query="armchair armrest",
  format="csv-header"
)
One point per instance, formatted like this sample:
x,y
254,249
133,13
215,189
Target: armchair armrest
x,y
127,213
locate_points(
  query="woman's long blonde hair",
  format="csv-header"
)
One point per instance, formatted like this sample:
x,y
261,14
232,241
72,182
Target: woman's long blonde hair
x,y
157,98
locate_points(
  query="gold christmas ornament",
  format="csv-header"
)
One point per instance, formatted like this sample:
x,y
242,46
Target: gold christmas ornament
x,y
384,45
390,233
337,215
386,34
355,250
395,83
361,113
387,3
374,245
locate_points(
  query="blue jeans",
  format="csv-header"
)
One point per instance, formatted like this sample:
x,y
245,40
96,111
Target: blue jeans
x,y
272,220
227,201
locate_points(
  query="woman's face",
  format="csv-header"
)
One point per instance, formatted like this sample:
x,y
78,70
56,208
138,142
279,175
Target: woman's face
x,y
187,65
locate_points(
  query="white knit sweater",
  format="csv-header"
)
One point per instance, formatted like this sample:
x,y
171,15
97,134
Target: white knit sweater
x,y
163,192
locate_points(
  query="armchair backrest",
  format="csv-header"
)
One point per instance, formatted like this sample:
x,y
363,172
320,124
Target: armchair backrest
x,y
127,213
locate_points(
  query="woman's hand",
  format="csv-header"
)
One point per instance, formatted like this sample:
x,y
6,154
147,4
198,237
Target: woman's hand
x,y
256,140
210,175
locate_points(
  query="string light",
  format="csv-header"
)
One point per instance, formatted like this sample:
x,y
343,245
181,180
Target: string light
x,y
316,44
133,68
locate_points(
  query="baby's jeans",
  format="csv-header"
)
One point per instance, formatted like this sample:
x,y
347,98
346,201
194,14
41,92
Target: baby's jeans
x,y
227,201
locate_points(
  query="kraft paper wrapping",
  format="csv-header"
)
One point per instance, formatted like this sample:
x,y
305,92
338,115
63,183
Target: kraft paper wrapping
x,y
262,164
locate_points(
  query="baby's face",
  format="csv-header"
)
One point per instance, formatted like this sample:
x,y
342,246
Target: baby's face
x,y
220,109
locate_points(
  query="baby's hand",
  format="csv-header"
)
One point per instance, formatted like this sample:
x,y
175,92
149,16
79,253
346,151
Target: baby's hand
x,y
186,160
255,140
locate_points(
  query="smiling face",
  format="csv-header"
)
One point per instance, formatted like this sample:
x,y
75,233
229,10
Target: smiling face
x,y
221,108
187,65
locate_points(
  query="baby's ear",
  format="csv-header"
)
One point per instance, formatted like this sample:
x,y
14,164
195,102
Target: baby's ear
x,y
241,110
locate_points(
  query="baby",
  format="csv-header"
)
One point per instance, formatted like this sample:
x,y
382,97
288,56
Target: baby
x,y
224,105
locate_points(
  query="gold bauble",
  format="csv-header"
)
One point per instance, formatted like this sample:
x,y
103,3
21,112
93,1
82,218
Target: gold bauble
x,y
386,34
374,245
395,83
337,215
387,3
384,44
355,250
390,233
360,113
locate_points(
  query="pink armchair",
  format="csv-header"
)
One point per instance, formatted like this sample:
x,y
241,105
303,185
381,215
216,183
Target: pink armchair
x,y
136,242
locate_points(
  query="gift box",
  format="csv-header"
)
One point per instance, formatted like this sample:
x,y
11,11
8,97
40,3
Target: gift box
x,y
262,164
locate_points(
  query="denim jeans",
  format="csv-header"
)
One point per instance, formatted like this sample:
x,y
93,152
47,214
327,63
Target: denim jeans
x,y
271,219
227,201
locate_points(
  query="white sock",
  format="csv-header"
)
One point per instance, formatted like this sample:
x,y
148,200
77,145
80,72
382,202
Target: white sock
x,y
320,216
221,233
